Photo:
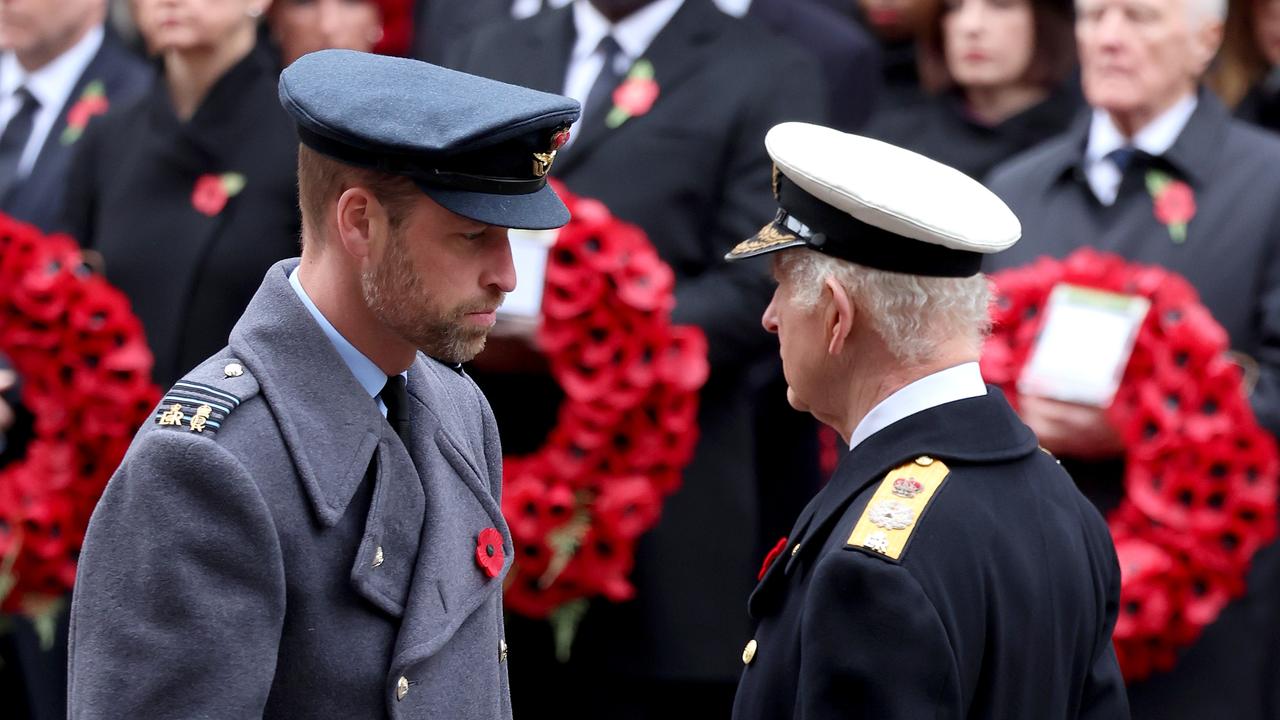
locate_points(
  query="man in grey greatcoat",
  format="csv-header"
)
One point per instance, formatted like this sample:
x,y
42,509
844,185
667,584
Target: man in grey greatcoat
x,y
309,526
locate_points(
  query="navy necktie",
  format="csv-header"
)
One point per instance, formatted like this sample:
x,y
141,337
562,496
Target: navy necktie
x,y
1122,157
14,139
395,395
600,98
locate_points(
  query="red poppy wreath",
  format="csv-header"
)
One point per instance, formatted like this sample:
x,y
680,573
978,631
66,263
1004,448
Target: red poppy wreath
x,y
85,371
625,430
1200,473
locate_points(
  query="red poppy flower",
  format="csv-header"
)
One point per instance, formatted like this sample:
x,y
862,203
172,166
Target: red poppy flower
x,y
772,555
636,95
626,507
209,196
1175,204
489,552
80,113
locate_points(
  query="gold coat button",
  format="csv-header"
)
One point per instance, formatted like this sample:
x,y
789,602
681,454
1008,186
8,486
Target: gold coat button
x,y
402,687
233,370
502,651
377,556
924,461
795,550
749,652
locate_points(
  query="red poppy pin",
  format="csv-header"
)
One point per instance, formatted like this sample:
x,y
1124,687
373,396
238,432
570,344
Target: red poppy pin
x,y
489,554
92,102
1174,203
773,555
212,191
559,139
634,96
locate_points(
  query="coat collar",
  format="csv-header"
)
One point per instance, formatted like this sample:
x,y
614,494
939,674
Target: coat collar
x,y
1193,156
977,430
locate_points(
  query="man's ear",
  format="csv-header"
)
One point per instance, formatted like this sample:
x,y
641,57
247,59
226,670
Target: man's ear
x,y
838,315
358,218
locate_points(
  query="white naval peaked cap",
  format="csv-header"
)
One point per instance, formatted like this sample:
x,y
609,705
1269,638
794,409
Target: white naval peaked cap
x,y
878,205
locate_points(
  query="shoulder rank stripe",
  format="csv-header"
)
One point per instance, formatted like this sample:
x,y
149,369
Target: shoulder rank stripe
x,y
201,387
195,407
895,509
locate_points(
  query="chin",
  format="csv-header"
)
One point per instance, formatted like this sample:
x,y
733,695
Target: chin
x,y
795,401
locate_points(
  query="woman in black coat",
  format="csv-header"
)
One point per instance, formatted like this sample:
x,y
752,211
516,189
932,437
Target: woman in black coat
x,y
189,195
999,76
1246,74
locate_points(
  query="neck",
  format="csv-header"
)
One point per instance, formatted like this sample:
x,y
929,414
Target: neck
x,y
868,388
992,105
34,58
1131,121
190,73
616,11
335,289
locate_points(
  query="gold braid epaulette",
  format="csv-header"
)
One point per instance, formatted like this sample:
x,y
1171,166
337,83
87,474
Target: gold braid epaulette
x,y
895,509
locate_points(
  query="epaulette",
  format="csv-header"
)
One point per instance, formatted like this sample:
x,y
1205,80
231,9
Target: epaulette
x,y
198,407
897,506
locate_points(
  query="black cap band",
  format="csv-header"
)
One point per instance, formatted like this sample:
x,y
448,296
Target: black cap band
x,y
436,177
838,234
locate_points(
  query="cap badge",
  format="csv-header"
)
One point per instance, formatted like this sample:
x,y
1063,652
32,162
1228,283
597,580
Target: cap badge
x,y
907,487
542,161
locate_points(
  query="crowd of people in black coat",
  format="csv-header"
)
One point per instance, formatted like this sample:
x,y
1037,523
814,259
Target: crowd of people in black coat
x,y
180,187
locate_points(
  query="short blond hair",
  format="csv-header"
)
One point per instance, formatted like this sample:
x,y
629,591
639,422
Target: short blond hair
x,y
322,179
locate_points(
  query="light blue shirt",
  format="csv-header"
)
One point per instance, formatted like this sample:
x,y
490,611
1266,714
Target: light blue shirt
x,y
955,383
366,372
1155,139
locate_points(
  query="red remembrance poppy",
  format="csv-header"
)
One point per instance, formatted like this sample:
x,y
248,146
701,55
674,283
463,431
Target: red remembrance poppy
x,y
489,553
772,555
1176,204
209,197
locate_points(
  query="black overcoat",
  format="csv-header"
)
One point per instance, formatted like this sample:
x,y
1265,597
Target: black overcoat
x,y
189,274
1001,605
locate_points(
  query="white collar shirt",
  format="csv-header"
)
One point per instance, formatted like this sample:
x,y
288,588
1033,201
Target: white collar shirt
x,y
51,86
633,33
959,382
1155,139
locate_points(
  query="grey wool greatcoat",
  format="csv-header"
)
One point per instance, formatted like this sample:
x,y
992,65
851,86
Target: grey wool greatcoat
x,y
292,560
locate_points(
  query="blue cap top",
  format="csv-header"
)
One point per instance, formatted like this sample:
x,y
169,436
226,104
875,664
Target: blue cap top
x,y
479,147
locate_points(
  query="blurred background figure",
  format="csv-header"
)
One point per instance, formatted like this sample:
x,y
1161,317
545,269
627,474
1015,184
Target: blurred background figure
x,y
1246,75
1142,62
189,195
691,170
60,71
899,25
299,27
1000,77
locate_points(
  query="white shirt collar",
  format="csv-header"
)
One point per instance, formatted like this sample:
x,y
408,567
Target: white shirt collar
x,y
634,33
53,83
366,372
736,8
955,383
1155,139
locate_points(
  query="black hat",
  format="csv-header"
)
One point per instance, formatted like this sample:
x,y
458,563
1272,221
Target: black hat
x,y
478,147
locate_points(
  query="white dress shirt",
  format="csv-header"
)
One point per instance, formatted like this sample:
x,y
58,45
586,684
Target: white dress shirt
x,y
51,86
1155,139
960,382
634,34
529,8
366,371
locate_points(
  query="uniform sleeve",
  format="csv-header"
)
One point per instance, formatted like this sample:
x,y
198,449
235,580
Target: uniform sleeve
x,y
1104,696
874,646
727,300
179,598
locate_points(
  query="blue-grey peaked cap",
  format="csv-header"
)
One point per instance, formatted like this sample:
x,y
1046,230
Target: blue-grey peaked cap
x,y
479,147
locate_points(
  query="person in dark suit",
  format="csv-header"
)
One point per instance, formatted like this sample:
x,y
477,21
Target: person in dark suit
x,y
440,24
999,76
689,170
60,70
909,586
1089,187
310,524
188,195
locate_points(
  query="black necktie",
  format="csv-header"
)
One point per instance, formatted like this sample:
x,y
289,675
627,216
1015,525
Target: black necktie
x,y
600,99
395,395
14,140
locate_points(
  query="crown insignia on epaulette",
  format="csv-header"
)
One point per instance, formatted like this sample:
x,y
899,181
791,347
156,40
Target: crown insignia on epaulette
x,y
195,407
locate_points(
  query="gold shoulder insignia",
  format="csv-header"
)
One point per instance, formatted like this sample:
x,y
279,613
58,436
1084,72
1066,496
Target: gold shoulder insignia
x,y
895,509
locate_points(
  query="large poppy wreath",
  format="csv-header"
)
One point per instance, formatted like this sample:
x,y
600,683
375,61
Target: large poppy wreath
x,y
85,371
625,430
1200,474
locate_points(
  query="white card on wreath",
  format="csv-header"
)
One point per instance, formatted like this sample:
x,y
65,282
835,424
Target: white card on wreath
x,y
1084,345
529,250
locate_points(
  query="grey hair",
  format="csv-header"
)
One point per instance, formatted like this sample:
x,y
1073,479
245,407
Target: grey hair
x,y
913,315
